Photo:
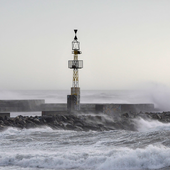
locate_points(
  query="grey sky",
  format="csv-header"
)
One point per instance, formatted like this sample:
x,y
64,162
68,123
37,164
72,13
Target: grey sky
x,y
123,43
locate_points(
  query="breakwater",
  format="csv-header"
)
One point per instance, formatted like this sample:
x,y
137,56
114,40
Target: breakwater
x,y
52,109
91,116
83,122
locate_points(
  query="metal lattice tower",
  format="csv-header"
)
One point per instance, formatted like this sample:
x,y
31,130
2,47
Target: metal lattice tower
x,y
76,65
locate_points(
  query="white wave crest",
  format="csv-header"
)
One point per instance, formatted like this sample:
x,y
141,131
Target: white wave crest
x,y
151,157
17,131
151,125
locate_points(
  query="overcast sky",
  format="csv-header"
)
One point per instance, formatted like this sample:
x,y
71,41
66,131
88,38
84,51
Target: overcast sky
x,y
124,43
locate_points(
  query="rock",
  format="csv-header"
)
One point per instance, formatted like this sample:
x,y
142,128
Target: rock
x,y
125,114
70,127
7,123
78,128
159,117
56,122
1,122
78,124
63,118
166,113
82,122
36,120
2,127
49,119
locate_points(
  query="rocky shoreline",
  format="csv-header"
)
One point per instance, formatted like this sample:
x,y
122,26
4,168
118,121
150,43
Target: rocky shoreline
x,y
86,122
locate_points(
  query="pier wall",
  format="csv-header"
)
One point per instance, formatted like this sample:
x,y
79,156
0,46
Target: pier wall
x,y
54,107
53,113
7,106
114,109
20,105
4,115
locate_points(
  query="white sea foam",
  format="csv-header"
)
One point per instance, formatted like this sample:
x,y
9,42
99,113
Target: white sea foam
x,y
151,125
47,129
71,150
151,157
16,131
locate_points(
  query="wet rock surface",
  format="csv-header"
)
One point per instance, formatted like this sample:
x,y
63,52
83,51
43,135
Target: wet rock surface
x,y
160,116
82,122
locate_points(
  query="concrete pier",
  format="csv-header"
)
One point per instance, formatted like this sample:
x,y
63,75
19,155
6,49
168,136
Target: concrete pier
x,y
8,106
54,107
20,105
105,108
114,109
53,113
5,115
109,109
51,109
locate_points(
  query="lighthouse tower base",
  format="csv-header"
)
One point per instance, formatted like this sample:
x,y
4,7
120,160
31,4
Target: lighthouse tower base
x,y
73,100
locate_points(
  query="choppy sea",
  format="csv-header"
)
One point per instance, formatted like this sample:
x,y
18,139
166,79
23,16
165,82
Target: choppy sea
x,y
45,148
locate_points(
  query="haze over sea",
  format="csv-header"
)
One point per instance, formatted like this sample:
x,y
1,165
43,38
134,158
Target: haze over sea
x,y
45,148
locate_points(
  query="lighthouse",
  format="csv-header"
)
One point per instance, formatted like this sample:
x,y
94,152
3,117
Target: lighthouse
x,y
73,100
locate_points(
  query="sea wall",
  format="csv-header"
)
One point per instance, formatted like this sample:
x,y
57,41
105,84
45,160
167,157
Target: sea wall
x,y
7,106
54,107
20,105
115,109
4,115
83,122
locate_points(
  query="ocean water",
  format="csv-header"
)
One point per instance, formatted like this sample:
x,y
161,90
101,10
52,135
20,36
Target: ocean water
x,y
45,148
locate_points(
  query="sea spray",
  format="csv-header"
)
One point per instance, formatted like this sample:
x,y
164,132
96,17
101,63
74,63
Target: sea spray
x,y
151,157
150,125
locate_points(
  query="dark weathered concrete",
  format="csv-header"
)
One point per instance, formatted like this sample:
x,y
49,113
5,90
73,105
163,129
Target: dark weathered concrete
x,y
5,115
136,107
54,107
20,105
112,109
53,113
7,106
88,107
